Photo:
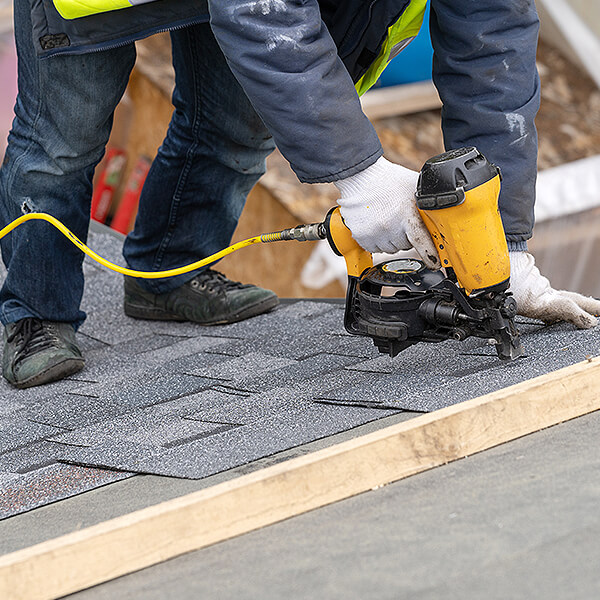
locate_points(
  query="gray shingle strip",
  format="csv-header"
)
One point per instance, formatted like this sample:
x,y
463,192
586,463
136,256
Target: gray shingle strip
x,y
19,432
147,388
88,344
189,363
74,410
30,396
306,309
303,390
238,368
148,342
186,329
140,427
299,371
453,378
111,326
251,409
393,391
95,403
301,344
122,456
426,361
217,406
30,458
285,318
110,363
49,484
232,448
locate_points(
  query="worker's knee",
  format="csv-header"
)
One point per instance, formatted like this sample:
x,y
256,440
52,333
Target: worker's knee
x,y
57,151
236,138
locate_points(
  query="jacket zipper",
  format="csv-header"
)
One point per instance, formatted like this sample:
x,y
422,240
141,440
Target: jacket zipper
x,y
126,40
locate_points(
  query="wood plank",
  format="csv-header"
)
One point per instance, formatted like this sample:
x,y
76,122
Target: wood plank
x,y
400,100
129,543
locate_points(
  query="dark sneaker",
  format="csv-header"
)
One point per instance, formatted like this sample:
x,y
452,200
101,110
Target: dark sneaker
x,y
38,352
208,299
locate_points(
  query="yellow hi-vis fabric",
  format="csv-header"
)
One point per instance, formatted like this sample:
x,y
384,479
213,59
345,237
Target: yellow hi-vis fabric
x,y
399,35
74,9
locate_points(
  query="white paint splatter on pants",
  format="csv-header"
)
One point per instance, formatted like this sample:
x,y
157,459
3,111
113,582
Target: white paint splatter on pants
x,y
516,122
265,7
281,40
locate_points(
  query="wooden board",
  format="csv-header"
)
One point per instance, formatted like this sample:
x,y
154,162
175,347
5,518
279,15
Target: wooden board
x,y
402,99
103,552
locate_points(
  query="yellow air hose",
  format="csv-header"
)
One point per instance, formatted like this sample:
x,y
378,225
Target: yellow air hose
x,y
301,233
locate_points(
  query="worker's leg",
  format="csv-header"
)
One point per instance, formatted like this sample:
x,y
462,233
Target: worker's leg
x,y
213,154
484,69
62,122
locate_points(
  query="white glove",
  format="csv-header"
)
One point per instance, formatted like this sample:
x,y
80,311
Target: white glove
x,y
536,298
378,206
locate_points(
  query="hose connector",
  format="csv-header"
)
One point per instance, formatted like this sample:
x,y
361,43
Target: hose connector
x,y
300,233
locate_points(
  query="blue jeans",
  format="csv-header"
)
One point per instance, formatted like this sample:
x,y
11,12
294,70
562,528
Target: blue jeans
x,y
213,154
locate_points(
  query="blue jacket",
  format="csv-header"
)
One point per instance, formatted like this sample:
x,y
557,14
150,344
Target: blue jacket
x,y
298,60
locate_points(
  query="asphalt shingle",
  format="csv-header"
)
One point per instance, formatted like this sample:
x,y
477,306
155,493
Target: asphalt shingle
x,y
183,400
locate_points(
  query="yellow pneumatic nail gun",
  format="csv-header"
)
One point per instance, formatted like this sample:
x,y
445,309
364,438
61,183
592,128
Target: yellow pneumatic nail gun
x,y
400,302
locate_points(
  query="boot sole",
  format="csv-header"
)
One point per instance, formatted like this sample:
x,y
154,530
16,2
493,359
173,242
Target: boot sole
x,y
55,373
156,314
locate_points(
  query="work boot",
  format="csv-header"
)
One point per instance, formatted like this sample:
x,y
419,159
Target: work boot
x,y
38,352
208,299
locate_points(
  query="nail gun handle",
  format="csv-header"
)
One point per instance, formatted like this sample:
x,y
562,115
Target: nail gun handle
x,y
457,197
343,244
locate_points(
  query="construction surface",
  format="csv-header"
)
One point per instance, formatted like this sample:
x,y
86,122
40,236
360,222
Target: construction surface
x,y
520,521
186,401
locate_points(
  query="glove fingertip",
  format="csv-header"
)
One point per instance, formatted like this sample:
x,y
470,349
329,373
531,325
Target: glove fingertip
x,y
585,321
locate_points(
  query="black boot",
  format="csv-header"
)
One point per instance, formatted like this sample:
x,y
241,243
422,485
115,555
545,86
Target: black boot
x,y
38,352
208,299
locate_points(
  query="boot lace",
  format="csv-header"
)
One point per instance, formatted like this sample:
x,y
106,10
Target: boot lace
x,y
211,280
31,337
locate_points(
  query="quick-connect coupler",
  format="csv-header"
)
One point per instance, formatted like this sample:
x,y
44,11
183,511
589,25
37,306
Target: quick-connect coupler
x,y
301,233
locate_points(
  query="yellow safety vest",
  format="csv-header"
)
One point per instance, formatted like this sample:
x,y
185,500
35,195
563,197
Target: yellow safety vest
x,y
399,35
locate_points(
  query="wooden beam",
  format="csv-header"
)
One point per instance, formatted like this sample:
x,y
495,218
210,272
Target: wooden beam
x,y
400,100
103,552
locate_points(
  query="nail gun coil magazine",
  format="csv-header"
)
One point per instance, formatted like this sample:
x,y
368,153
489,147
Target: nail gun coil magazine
x,y
399,303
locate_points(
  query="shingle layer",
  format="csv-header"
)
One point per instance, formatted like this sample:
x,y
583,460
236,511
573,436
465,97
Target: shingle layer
x,y
182,400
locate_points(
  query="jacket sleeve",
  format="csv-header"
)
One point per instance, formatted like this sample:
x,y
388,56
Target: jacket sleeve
x,y
283,56
485,72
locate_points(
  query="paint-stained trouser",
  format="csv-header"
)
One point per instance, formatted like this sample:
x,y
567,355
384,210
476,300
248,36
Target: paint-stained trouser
x,y
213,154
